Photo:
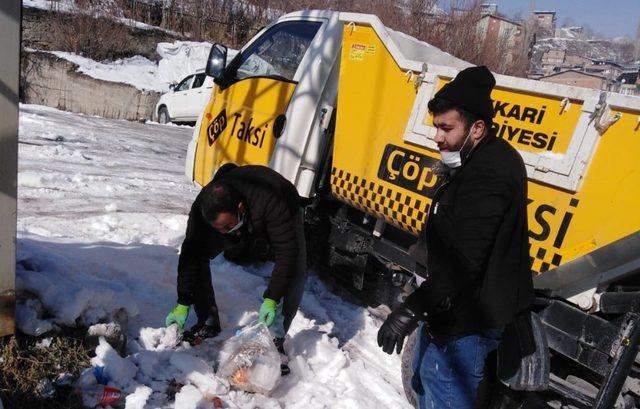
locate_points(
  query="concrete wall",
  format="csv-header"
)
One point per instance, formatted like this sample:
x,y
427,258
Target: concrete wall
x,y
9,76
53,81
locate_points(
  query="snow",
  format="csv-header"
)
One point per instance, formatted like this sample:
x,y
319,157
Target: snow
x,y
44,343
28,312
119,370
138,398
178,59
181,58
190,397
102,209
58,5
138,71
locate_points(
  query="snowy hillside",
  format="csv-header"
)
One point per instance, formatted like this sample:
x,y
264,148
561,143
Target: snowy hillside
x,y
102,208
576,44
177,60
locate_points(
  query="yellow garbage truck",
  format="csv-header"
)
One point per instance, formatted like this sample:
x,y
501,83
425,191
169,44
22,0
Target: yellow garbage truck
x,y
337,103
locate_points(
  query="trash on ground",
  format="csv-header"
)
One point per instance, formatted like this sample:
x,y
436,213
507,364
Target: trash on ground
x,y
100,395
250,360
46,389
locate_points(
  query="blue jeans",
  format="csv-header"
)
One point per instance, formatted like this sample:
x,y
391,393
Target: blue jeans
x,y
447,370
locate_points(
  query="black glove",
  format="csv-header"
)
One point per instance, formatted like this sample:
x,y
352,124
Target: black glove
x,y
400,323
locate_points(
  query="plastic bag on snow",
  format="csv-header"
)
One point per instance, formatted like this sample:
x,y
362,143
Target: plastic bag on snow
x,y
250,360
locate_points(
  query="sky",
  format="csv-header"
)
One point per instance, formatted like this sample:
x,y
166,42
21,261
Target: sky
x,y
608,18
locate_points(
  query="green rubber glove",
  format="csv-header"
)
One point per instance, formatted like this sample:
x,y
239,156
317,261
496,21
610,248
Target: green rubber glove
x,y
267,314
178,315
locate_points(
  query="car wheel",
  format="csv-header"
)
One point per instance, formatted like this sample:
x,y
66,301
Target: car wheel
x,y
163,115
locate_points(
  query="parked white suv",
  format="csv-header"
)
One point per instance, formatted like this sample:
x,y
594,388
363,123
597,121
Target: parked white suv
x,y
186,100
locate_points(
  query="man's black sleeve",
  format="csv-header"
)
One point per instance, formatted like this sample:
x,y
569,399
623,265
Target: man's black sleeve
x,y
201,243
281,230
467,230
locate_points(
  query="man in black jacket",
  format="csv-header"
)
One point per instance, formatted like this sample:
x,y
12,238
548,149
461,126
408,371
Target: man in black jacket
x,y
474,248
250,213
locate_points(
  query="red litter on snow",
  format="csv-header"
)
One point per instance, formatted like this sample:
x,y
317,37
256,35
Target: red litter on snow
x,y
110,396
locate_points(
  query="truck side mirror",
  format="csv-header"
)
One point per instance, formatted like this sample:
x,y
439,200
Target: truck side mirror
x,y
217,61
172,86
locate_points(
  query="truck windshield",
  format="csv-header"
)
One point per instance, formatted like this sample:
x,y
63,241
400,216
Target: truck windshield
x,y
278,52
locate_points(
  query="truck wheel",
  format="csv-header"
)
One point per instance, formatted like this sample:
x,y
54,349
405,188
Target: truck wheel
x,y
163,115
407,370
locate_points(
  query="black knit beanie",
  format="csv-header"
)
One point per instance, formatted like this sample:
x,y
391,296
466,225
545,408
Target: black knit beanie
x,y
470,90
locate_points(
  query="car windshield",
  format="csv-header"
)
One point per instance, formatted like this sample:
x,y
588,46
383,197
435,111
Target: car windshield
x,y
184,84
279,51
199,80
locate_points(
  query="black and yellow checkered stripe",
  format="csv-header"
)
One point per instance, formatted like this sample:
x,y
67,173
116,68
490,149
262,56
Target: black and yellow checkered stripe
x,y
405,211
542,259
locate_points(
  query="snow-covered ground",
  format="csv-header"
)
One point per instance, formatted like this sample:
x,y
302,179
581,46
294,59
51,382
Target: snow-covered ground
x,y
102,208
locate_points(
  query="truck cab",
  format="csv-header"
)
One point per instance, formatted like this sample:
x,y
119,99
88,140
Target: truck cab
x,y
267,105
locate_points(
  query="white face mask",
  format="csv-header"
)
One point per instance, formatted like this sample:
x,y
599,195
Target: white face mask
x,y
453,159
238,225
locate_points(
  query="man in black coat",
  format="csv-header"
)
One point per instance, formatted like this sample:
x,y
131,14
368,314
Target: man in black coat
x,y
474,248
251,213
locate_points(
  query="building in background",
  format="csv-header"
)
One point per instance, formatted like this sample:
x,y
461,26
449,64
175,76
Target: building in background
x,y
606,68
488,8
628,83
501,36
545,23
578,79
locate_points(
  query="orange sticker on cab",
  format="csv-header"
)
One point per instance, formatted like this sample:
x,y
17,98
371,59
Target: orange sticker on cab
x,y
357,52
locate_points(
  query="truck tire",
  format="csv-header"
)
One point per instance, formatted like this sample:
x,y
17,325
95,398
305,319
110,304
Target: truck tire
x,y
163,115
407,370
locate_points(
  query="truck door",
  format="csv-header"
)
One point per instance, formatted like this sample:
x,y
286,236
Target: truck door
x,y
196,100
181,98
244,119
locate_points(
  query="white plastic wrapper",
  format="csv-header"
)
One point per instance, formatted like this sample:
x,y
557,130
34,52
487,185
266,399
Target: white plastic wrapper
x,y
250,360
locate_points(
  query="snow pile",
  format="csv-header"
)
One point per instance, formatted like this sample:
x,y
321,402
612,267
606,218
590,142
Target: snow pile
x,y
178,59
138,71
57,5
197,372
101,216
570,32
181,58
87,292
29,313
120,370
159,339
139,397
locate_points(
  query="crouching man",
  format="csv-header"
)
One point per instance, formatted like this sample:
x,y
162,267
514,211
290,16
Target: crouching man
x,y
474,248
251,213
